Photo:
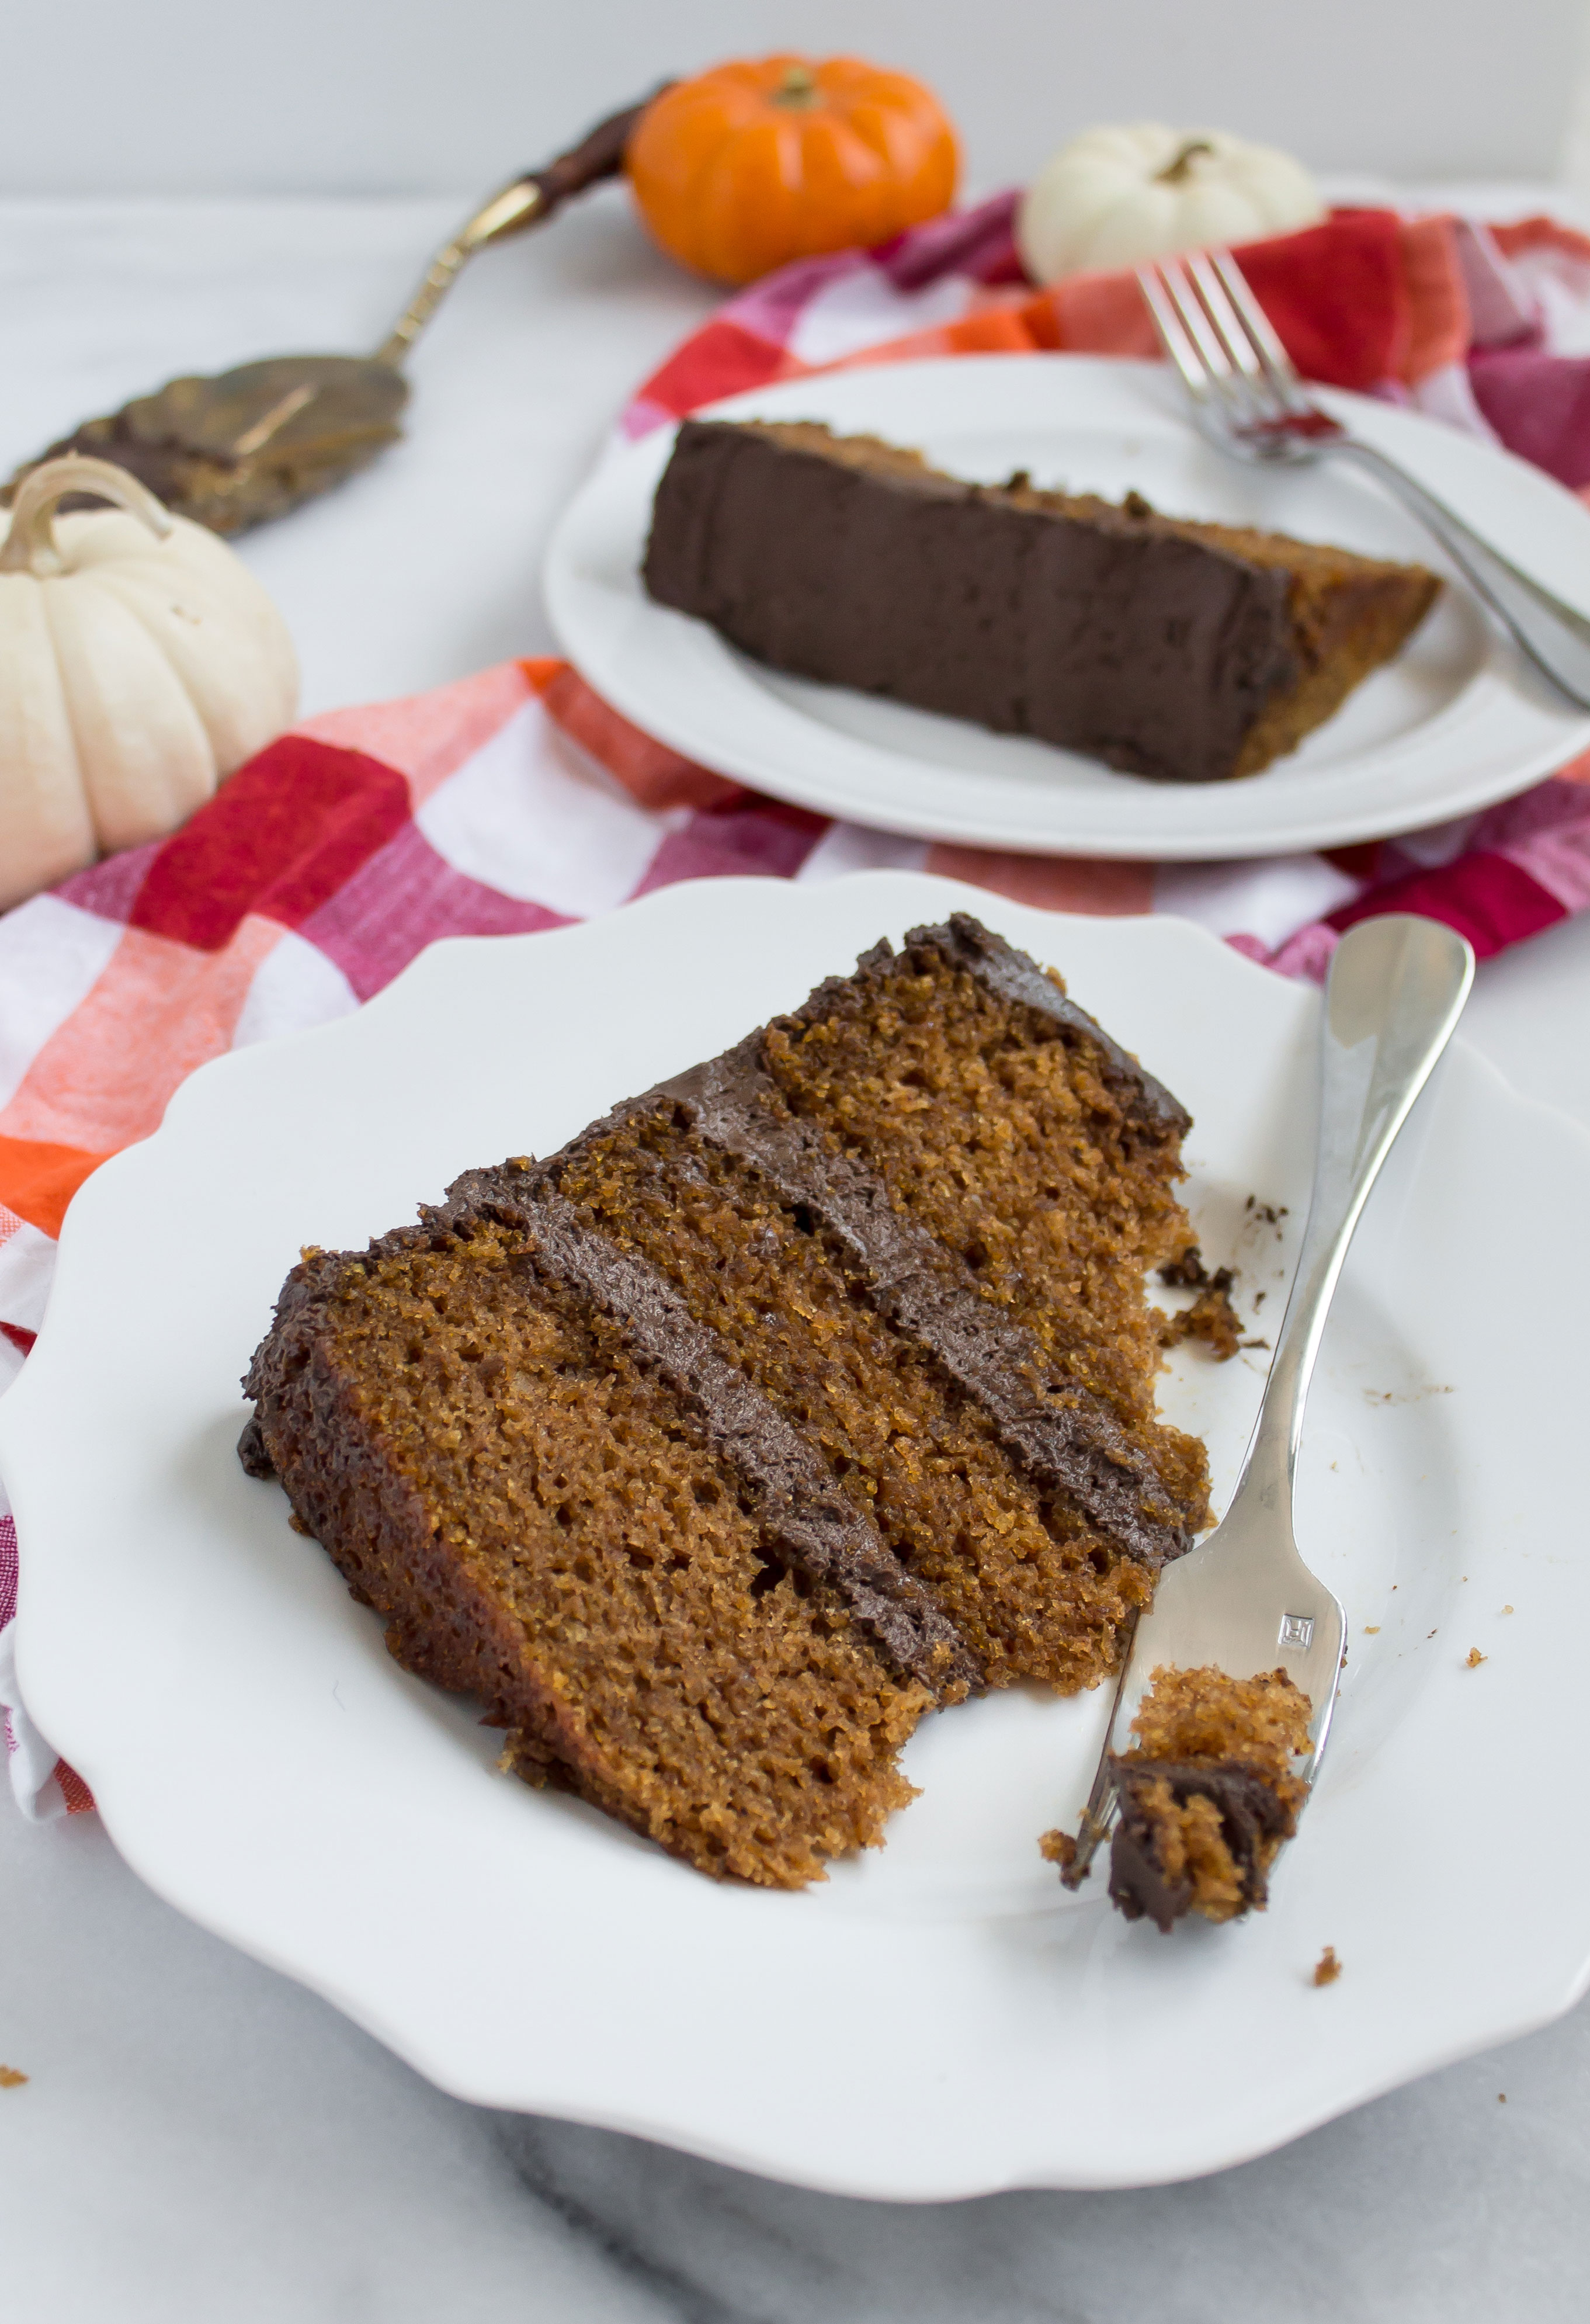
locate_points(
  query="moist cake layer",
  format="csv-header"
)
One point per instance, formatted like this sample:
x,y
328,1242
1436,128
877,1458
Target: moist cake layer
x,y
546,1524
1166,648
1008,1126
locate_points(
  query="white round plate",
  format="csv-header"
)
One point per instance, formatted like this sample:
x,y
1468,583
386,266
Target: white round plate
x,y
1455,723
938,2018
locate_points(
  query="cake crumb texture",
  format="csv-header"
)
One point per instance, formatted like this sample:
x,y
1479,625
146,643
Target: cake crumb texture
x,y
1261,1722
543,1527
1016,1142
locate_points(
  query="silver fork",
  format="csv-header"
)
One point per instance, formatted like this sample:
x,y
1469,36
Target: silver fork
x,y
1244,1600
1248,401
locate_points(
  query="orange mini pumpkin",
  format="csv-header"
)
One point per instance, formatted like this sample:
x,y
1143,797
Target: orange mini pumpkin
x,y
754,164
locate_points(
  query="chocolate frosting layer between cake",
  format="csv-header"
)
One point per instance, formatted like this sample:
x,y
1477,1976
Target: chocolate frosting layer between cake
x,y
1064,1440
806,1518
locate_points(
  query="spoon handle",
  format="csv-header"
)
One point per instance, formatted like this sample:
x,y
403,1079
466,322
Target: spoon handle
x,y
530,200
1396,989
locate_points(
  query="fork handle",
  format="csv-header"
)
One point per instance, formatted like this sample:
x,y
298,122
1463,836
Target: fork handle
x,y
1396,989
1556,638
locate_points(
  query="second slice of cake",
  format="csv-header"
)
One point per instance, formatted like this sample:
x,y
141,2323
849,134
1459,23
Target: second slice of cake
x,y
1166,648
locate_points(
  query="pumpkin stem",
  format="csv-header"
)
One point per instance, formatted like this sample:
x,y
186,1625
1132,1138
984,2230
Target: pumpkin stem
x,y
798,90
30,544
1179,167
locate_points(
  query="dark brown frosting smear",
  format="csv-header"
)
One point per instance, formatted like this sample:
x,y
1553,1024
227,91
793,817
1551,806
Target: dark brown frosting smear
x,y
1254,1821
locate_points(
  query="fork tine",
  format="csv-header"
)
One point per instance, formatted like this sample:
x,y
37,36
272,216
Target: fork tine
x,y
1221,377
1174,340
1279,368
1265,398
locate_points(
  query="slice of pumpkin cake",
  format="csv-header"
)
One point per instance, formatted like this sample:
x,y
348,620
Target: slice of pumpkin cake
x,y
804,1394
1167,647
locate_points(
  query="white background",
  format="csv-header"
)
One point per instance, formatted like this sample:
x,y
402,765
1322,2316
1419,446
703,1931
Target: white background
x,y
379,97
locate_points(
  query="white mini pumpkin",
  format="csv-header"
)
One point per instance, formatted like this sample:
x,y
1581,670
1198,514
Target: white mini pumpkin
x,y
141,663
1113,197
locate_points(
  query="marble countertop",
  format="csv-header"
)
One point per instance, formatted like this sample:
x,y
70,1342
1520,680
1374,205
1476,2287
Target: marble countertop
x,y
198,2139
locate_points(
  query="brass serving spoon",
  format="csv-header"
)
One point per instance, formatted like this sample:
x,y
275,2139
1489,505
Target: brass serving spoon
x,y
238,447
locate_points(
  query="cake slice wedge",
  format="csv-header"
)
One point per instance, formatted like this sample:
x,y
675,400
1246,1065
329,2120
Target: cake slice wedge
x,y
796,1397
1185,651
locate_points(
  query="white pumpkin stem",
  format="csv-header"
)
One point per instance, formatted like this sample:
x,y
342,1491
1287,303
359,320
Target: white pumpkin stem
x,y
1180,165
30,544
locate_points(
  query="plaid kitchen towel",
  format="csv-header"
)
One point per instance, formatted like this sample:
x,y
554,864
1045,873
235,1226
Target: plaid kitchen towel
x,y
517,801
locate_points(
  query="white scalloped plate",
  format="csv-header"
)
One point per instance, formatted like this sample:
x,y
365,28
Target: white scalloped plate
x,y
1456,721
939,2019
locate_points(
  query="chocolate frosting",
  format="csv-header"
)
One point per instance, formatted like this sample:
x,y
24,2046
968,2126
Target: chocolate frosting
x,y
251,1445
1254,1821
1065,1441
806,1518
1102,628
